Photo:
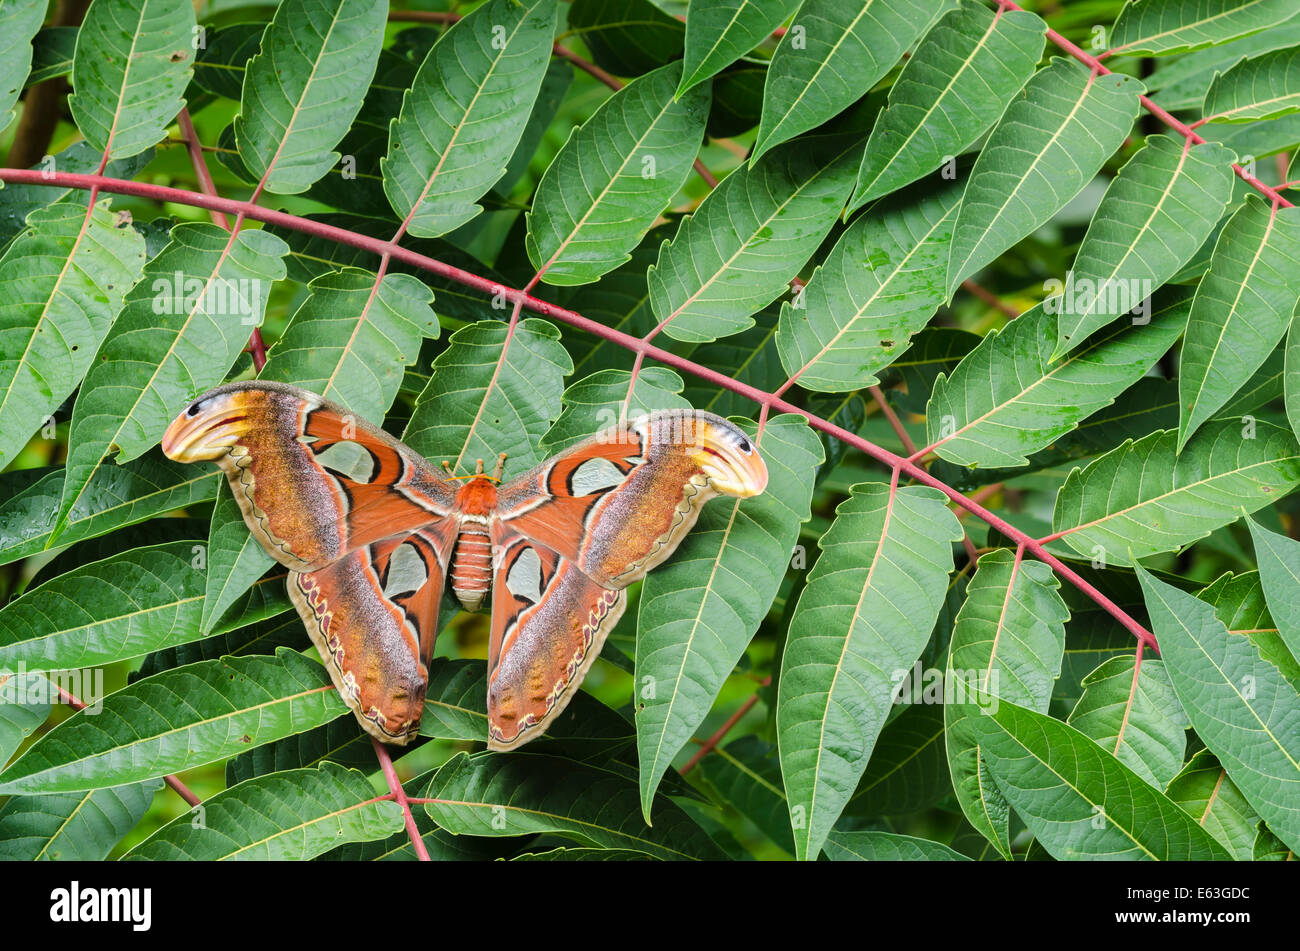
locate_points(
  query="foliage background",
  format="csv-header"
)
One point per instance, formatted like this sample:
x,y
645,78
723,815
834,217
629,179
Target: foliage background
x,y
921,325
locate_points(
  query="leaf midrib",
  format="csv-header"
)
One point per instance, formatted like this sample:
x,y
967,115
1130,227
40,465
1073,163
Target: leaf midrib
x,y
1192,27
157,737
983,42
886,525
1174,491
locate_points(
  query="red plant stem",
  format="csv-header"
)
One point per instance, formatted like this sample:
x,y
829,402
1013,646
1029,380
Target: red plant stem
x,y
1177,125
768,401
181,789
711,743
989,298
200,164
709,178
587,67
894,422
422,16
399,794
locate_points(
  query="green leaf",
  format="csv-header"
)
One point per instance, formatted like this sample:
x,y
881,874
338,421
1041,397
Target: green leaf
x,y
1242,308
259,637
491,392
555,85
1269,848
455,708
1291,372
441,845
62,282
116,496
121,607
221,63
1156,214
455,703
356,183
52,51
81,826
1133,713
831,56
1047,146
133,61
1210,797
737,99
879,285
234,559
1238,601
872,846
699,610
1279,572
351,337
1183,81
953,87
627,37
1264,87
1175,26
1144,497
19,22
495,794
177,720
746,773
25,703
1265,385
463,117
1258,139
159,531
288,816
1078,800
737,252
861,622
304,88
182,328
600,400
721,31
908,770
613,177
1240,705
1091,637
1009,639
1007,398
583,855
341,742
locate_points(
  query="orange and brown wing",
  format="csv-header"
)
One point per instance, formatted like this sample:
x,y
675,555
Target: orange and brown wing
x,y
572,533
373,615
619,503
549,622
365,525
313,481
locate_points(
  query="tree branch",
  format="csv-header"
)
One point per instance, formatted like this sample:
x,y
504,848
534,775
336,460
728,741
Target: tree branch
x,y
768,401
